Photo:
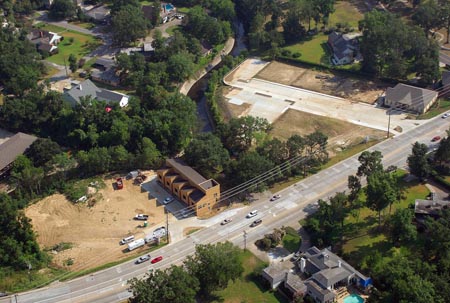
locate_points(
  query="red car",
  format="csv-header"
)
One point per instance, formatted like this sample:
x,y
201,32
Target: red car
x,y
156,260
437,138
119,183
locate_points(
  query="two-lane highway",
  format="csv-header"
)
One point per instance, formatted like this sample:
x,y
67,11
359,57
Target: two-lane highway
x,y
296,201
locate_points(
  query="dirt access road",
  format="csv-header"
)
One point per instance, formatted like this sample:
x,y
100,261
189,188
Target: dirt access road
x,y
94,232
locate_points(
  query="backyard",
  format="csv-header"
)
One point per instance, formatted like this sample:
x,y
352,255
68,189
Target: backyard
x,y
74,43
361,228
347,14
248,288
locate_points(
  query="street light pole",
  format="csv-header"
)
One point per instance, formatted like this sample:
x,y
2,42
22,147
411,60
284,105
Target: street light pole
x,y
389,122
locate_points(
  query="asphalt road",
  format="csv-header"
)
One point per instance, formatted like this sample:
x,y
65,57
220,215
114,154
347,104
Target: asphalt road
x,y
298,200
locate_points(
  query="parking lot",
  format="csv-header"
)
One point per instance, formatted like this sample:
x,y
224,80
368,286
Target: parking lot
x,y
270,100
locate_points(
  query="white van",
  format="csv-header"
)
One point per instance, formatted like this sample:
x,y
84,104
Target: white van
x,y
126,240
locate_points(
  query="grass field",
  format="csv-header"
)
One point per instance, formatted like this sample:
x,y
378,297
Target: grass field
x,y
82,44
361,229
316,50
313,51
172,29
248,288
348,12
438,108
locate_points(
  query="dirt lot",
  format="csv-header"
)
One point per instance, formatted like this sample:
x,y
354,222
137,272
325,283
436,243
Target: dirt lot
x,y
340,134
94,232
360,90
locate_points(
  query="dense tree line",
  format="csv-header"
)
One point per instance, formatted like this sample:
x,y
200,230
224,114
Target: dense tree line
x,y
391,48
208,270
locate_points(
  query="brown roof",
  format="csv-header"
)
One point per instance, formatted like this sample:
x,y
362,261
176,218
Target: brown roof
x,y
14,147
185,170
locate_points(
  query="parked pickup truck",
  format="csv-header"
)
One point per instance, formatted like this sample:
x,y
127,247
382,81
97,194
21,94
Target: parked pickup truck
x,y
141,217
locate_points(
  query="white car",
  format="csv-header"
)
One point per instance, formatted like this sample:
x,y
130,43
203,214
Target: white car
x,y
252,214
168,200
226,221
275,197
445,116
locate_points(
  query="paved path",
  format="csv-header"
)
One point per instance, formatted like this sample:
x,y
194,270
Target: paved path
x,y
270,100
187,85
296,202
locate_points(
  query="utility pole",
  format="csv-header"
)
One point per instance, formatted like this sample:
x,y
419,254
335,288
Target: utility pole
x,y
245,240
389,122
65,66
167,225
15,297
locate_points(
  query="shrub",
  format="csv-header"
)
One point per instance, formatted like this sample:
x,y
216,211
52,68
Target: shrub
x,y
286,53
296,55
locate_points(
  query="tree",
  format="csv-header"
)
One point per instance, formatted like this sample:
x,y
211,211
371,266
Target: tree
x,y
172,285
248,166
43,150
381,191
62,9
73,63
214,265
401,229
27,176
428,16
180,66
354,184
370,163
128,24
442,154
18,245
417,161
207,154
150,157
274,150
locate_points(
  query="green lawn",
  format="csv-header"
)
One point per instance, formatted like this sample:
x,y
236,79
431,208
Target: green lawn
x,y
292,240
313,51
361,229
438,108
172,29
86,25
248,288
349,12
82,44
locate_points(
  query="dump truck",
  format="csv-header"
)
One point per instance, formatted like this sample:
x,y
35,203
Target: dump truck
x,y
136,244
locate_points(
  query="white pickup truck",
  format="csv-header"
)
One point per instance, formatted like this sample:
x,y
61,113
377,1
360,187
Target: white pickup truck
x,y
141,217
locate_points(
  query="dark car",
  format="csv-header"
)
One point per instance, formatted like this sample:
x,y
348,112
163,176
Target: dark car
x,y
3,294
436,138
143,259
256,223
156,260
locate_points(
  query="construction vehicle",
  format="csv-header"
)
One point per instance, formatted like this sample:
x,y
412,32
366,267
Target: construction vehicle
x,y
140,178
119,183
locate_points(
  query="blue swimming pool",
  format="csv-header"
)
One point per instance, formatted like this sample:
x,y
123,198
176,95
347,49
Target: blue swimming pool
x,y
169,7
353,298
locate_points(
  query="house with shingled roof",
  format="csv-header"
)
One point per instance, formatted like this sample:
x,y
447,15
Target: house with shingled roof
x,y
89,89
12,148
345,48
410,98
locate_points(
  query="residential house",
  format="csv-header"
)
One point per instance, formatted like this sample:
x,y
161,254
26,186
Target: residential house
x,y
146,50
410,98
328,273
198,193
45,40
87,88
429,209
104,70
166,11
99,14
323,276
12,148
445,88
274,274
345,48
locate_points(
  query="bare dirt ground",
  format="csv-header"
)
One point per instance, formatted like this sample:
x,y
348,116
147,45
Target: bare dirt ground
x,y
340,134
94,232
359,90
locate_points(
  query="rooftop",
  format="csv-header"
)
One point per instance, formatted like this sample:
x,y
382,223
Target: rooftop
x,y
14,147
410,95
430,207
186,171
